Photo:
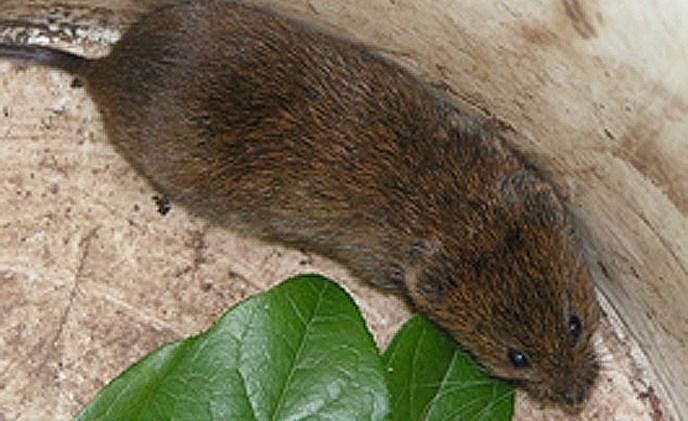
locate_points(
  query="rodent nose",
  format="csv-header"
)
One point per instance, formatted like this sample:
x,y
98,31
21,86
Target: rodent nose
x,y
573,397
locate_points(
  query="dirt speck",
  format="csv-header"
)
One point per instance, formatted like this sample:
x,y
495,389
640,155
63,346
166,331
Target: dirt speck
x,y
651,396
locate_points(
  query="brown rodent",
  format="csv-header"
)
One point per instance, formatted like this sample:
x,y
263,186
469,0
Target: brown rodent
x,y
262,124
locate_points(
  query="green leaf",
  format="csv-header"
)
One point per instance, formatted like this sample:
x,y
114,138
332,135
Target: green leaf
x,y
430,378
298,351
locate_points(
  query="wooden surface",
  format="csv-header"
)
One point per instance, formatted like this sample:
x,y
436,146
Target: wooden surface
x,y
92,278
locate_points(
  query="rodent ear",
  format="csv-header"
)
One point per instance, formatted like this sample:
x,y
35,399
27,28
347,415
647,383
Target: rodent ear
x,y
536,199
418,276
546,208
421,250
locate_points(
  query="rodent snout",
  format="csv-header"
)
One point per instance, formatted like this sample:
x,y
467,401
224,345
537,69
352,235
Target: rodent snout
x,y
573,397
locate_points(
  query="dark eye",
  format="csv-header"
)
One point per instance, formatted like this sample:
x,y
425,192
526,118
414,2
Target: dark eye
x,y
517,358
575,327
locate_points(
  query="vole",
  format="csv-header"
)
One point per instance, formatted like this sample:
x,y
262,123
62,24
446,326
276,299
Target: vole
x,y
268,126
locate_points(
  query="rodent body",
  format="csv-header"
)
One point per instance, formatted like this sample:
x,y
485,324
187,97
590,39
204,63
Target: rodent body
x,y
265,125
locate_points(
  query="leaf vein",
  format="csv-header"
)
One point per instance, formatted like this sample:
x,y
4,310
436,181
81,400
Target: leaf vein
x,y
297,355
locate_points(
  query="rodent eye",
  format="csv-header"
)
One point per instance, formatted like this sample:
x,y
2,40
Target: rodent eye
x,y
575,327
518,359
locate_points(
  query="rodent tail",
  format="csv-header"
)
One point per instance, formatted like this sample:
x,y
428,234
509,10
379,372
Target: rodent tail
x,y
44,56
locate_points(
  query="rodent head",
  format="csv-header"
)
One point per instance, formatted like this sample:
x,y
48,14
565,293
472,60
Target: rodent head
x,y
517,295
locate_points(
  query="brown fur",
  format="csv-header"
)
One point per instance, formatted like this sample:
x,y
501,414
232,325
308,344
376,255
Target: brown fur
x,y
261,123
